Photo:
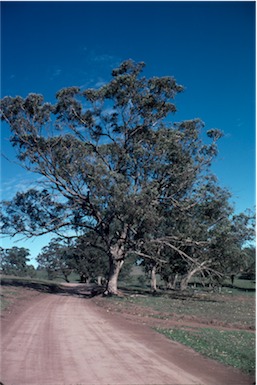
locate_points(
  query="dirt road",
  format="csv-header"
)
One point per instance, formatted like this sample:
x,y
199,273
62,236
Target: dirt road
x,y
67,340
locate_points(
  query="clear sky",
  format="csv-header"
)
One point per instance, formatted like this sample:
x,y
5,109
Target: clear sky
x,y
209,47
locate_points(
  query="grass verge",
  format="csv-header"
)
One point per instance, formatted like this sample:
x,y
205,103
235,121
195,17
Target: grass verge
x,y
11,295
235,348
210,308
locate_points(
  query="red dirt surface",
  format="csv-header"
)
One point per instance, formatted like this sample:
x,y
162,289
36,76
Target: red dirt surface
x,y
66,339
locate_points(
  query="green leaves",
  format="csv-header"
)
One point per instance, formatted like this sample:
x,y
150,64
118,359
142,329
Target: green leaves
x,y
14,260
128,66
215,134
31,213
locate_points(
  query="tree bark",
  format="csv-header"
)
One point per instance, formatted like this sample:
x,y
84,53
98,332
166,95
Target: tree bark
x,y
172,281
101,280
153,279
185,280
84,278
116,260
112,284
66,278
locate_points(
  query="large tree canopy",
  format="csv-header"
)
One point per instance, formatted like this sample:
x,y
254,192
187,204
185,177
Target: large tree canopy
x,y
114,163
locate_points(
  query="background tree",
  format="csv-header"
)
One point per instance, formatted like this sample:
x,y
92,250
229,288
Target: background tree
x,y
61,257
14,261
174,269
208,240
54,259
229,239
112,161
89,259
249,254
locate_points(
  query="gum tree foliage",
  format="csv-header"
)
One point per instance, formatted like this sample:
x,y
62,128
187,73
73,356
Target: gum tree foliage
x,y
210,241
249,271
88,258
64,256
229,241
111,162
14,261
53,258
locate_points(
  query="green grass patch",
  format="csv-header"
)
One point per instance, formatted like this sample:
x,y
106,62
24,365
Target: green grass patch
x,y
208,307
9,295
239,287
244,284
235,348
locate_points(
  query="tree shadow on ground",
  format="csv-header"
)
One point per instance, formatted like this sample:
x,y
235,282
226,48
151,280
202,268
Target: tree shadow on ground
x,y
85,290
79,290
172,294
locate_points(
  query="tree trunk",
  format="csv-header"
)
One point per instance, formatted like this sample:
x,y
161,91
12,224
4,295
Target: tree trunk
x,y
185,280
184,283
66,278
175,281
172,281
112,284
83,278
101,280
153,279
116,260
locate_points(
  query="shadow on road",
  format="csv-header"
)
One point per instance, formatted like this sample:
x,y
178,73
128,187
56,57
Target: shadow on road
x,y
76,289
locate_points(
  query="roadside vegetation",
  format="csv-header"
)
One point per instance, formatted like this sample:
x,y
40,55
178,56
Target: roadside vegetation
x,y
235,348
8,296
219,309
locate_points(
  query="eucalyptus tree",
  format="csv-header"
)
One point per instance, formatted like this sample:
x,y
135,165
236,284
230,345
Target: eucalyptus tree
x,y
229,240
88,258
249,271
82,256
14,261
54,259
112,162
208,240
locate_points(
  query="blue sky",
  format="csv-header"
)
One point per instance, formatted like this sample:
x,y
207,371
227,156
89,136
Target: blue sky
x,y
209,47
